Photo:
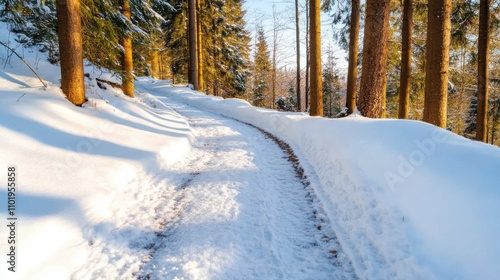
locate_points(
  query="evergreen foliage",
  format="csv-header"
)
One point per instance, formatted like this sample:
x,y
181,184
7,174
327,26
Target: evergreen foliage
x,y
332,87
225,45
102,26
262,70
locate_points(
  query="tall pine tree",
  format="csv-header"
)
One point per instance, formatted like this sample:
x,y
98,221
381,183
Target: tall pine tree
x,y
437,61
373,76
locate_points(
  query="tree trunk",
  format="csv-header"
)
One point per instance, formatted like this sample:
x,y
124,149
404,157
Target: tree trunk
x,y
316,77
437,61
127,60
193,38
308,57
155,64
404,82
297,34
275,50
373,75
201,82
71,51
353,57
482,70
273,72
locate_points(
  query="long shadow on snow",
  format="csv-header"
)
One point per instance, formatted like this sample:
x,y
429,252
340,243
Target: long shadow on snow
x,y
9,78
36,205
68,141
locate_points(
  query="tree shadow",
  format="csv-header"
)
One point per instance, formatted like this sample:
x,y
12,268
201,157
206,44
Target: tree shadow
x,y
40,205
51,136
9,78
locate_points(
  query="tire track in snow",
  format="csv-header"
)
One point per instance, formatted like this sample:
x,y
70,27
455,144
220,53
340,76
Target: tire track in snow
x,y
327,262
239,207
193,167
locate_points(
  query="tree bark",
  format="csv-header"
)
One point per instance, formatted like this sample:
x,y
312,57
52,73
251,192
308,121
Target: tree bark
x,y
127,60
297,34
201,83
155,64
437,62
193,38
71,50
353,57
275,50
308,58
315,49
373,75
404,82
482,70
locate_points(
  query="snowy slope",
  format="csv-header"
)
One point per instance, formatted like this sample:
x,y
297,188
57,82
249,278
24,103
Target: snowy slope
x,y
407,200
73,162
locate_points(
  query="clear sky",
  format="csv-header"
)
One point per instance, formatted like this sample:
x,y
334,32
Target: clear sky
x,y
261,12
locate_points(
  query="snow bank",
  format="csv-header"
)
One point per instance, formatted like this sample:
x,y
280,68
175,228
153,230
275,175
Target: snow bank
x,y
75,165
407,200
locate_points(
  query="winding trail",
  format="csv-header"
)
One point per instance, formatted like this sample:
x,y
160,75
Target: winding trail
x,y
235,208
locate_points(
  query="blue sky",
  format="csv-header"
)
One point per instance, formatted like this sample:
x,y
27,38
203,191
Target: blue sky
x,y
261,12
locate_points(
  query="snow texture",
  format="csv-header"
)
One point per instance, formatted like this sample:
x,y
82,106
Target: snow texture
x,y
166,186
407,200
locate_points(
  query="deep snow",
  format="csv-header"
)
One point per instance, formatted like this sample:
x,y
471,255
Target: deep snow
x,y
126,188
407,200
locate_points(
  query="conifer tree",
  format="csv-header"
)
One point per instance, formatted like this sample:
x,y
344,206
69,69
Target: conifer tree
x,y
331,87
193,44
316,91
127,61
373,76
483,74
70,48
351,96
262,70
437,61
297,42
348,14
201,82
404,84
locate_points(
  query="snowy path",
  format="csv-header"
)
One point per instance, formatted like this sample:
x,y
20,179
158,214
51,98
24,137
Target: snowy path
x,y
234,209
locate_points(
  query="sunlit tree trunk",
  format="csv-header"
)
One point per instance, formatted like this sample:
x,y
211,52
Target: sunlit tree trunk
x,y
127,60
437,62
482,73
404,82
315,50
193,38
373,75
353,57
201,82
297,38
155,64
308,58
70,47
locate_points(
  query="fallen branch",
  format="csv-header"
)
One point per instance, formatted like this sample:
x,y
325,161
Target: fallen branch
x,y
115,85
13,51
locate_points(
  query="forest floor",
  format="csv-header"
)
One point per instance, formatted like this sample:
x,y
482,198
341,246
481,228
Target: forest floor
x,y
235,208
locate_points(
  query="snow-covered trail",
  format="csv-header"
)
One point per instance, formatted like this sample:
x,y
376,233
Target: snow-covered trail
x,y
235,208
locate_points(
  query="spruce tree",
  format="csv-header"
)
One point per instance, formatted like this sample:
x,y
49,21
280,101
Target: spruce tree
x,y
331,87
348,15
373,77
483,73
70,48
262,70
404,83
316,90
437,62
